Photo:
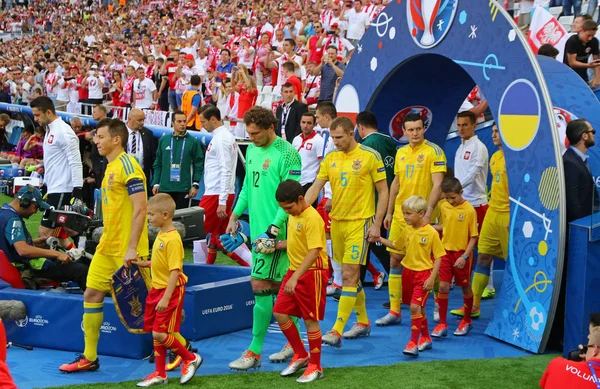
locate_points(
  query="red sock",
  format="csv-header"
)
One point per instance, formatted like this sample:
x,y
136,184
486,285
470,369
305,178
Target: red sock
x,y
424,328
315,345
237,258
468,306
443,304
291,334
160,358
211,256
174,345
2,342
415,327
71,246
373,270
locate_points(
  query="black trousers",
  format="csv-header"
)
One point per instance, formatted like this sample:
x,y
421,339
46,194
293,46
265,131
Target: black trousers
x,y
555,340
181,201
65,272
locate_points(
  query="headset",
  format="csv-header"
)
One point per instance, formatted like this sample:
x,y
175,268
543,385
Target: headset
x,y
26,198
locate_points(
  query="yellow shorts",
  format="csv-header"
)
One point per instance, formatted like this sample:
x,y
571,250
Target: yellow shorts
x,y
398,225
101,271
493,238
349,241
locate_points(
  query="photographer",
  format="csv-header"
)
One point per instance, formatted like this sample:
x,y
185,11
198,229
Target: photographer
x,y
581,369
21,250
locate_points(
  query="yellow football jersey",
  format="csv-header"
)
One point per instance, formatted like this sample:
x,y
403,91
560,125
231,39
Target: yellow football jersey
x,y
167,255
353,176
123,177
414,167
459,225
306,232
499,201
422,246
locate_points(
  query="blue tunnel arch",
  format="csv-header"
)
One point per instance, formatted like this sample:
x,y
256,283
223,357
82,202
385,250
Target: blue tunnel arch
x,y
431,58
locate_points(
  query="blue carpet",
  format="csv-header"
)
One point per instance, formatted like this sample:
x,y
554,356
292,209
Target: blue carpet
x,y
383,347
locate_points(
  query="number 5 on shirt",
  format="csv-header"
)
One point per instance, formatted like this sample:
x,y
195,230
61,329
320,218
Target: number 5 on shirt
x,y
344,178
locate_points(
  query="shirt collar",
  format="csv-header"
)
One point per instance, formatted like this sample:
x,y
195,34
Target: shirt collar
x,y
470,140
583,156
310,136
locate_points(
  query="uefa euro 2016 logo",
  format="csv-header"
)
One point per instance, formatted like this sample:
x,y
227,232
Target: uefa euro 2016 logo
x,y
430,20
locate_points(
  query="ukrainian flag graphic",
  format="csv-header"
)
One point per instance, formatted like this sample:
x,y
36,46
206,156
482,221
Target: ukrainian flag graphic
x,y
519,114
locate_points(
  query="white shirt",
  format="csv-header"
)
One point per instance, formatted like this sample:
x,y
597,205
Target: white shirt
x,y
471,169
327,148
62,90
139,151
280,71
220,163
61,155
142,92
311,153
89,39
94,88
357,24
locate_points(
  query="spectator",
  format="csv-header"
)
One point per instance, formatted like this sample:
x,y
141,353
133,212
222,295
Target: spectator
x,y
145,95
289,114
330,70
4,121
142,143
25,253
358,21
548,50
578,49
179,164
191,103
290,78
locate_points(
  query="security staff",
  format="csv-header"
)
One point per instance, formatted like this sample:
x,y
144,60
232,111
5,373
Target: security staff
x,y
190,104
179,164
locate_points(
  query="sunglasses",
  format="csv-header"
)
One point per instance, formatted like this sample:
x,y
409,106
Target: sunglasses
x,y
592,131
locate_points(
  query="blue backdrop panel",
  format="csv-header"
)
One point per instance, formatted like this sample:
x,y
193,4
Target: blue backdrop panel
x,y
54,320
476,43
218,300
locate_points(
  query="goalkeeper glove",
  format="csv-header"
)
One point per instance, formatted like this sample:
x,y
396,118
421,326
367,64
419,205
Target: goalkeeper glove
x,y
232,242
77,193
265,243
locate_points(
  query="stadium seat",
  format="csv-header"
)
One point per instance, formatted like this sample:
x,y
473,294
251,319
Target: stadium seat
x,y
259,97
566,22
277,93
15,135
267,99
9,273
556,11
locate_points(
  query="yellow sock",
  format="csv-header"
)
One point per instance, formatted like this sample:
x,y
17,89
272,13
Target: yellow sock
x,y
180,338
480,281
347,303
360,307
92,321
395,289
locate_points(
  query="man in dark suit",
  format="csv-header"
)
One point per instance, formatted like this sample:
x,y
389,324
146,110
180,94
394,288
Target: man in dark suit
x,y
141,143
581,198
289,114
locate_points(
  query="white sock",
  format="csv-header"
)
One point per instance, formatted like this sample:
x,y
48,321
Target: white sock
x,y
490,284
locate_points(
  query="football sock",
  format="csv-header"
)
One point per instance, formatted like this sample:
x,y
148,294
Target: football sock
x,y
424,327
92,321
337,273
480,280
468,298
291,334
180,338
71,246
211,256
347,302
373,270
174,345
395,289
2,342
262,313
360,306
415,327
315,345
490,284
443,304
160,358
237,259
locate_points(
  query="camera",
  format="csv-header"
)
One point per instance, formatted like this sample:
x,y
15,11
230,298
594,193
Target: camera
x,y
575,355
330,32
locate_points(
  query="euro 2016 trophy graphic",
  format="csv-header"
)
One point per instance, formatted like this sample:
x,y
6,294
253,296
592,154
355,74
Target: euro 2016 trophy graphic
x,y
430,20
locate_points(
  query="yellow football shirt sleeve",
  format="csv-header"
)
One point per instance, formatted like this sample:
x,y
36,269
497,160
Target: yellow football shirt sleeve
x,y
175,254
324,169
377,169
438,162
315,231
133,175
397,161
473,223
437,249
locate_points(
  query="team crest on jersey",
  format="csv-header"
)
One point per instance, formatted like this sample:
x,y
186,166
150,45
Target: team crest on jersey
x,y
333,164
467,155
266,164
461,217
111,178
161,245
420,158
356,165
209,147
299,226
423,240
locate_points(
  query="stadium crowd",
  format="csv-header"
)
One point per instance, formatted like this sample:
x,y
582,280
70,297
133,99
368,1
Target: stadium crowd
x,y
205,62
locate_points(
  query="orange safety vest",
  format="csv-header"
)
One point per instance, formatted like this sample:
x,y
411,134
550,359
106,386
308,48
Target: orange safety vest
x,y
186,107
